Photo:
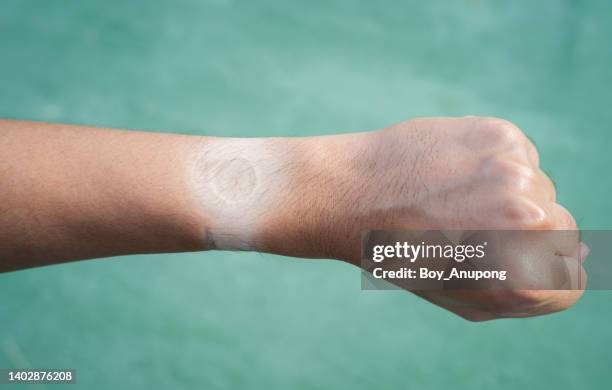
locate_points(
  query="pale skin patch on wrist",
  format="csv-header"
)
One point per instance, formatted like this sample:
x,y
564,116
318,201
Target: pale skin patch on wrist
x,y
235,181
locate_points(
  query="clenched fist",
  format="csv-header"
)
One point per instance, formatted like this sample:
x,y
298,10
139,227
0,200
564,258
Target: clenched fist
x,y
430,173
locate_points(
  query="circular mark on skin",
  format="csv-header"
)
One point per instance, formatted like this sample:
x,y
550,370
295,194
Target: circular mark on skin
x,y
234,180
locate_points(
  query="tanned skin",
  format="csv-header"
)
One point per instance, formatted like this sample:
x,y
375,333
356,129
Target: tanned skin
x,y
75,192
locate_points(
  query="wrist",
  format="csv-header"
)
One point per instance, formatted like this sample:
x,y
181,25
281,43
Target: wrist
x,y
313,213
289,196
237,184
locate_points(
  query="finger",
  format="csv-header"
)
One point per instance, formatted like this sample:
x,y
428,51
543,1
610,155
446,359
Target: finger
x,y
547,190
532,152
576,274
564,233
562,218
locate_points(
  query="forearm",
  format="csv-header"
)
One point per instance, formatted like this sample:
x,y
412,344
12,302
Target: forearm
x,y
74,192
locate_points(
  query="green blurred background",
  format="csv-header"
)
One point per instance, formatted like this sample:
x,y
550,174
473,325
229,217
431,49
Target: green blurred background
x,y
257,68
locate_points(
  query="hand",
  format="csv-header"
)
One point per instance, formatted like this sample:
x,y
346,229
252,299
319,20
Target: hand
x,y
431,173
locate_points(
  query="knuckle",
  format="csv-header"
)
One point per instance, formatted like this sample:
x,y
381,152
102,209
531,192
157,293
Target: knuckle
x,y
523,213
502,131
565,219
533,150
511,172
549,187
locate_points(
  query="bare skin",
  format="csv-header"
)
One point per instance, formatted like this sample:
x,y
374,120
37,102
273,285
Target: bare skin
x,y
73,192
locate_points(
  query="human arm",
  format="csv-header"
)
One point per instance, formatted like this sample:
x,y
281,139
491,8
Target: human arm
x,y
75,192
